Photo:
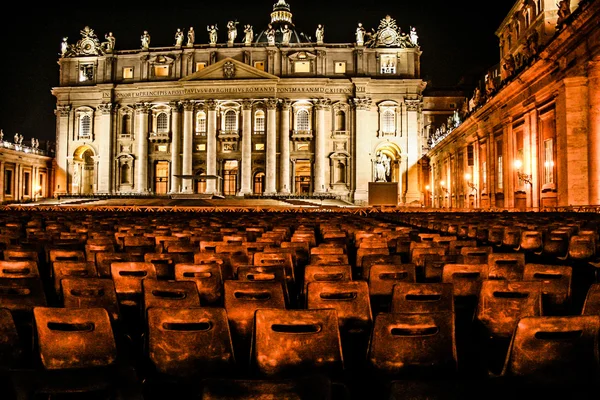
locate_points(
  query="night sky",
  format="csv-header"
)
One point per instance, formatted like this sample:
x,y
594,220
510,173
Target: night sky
x,y
457,39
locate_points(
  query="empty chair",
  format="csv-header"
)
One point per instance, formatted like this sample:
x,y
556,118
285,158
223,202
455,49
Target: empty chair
x,y
556,244
104,259
418,298
413,345
466,278
186,344
475,254
128,277
556,285
455,246
326,273
211,258
92,247
291,343
509,266
139,245
68,269
372,259
280,259
382,278
169,294
208,280
91,293
591,304
164,263
65,255
554,351
433,266
532,240
328,259
582,247
19,269
11,254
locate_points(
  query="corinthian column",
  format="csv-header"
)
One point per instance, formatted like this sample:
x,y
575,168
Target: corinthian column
x,y
141,136
284,159
105,148
594,134
321,105
175,146
188,141
412,191
211,146
271,175
62,139
246,187
362,166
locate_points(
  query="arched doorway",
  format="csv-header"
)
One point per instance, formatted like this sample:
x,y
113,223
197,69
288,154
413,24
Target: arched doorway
x,y
387,163
83,178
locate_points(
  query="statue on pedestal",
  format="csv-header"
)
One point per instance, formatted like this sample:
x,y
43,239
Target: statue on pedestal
x,y
231,31
320,34
286,35
109,45
145,40
360,34
248,35
212,34
191,35
414,38
270,33
382,167
178,38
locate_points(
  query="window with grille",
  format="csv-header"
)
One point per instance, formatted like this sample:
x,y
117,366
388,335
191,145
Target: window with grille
x,y
388,121
162,122
85,128
302,120
548,161
259,122
201,123
230,121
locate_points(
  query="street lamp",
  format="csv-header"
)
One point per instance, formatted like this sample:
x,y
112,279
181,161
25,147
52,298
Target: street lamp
x,y
443,186
470,184
526,178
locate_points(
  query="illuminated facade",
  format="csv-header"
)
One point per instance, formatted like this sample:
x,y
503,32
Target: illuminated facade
x,y
529,137
273,113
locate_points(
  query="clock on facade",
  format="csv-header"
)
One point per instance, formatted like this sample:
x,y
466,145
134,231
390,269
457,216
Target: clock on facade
x,y
388,36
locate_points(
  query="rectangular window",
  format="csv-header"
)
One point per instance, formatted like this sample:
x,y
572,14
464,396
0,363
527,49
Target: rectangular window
x,y
259,146
201,147
86,72
548,161
26,184
340,67
470,158
128,73
259,65
161,71
484,173
163,148
8,182
500,169
200,66
301,67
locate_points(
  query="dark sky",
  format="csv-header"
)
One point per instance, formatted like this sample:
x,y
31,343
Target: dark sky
x,y
456,38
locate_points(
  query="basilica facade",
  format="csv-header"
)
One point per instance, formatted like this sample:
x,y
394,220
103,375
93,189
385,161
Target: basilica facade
x,y
269,114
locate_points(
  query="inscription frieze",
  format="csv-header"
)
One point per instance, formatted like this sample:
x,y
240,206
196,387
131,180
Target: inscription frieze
x,y
231,90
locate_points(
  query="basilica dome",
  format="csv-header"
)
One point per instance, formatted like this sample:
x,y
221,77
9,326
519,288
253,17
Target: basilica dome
x,y
280,18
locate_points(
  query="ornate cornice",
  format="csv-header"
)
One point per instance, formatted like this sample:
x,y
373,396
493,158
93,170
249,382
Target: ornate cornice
x,y
63,111
362,103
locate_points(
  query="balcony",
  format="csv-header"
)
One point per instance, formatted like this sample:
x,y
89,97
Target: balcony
x,y
160,137
229,136
302,136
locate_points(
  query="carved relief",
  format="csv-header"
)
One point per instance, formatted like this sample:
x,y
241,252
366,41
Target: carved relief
x,y
229,70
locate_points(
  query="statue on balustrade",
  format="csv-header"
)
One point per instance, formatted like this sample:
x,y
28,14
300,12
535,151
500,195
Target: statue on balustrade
x,y
212,34
178,38
248,35
231,31
320,34
145,40
360,34
191,36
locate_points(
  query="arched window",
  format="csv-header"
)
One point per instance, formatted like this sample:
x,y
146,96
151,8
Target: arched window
x,y
259,122
340,121
162,122
302,120
230,121
388,121
85,128
201,122
259,179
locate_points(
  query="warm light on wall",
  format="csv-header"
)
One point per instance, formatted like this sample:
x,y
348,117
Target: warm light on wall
x,y
526,178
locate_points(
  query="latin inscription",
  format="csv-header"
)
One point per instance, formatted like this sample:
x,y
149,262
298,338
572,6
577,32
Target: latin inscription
x,y
225,90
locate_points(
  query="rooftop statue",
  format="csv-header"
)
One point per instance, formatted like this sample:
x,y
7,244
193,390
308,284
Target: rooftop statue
x,y
191,37
145,40
360,34
64,47
320,34
231,31
287,35
212,34
414,38
564,10
88,45
109,45
270,33
248,35
178,38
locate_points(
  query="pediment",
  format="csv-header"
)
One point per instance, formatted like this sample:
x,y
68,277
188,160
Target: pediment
x,y
229,69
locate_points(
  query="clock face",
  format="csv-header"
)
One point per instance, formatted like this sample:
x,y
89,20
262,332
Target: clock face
x,y
388,36
87,46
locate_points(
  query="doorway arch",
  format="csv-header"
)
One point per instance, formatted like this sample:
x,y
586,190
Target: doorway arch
x,y
83,178
393,152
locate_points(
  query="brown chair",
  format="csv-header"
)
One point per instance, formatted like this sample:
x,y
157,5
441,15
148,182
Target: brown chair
x,y
70,269
591,304
104,260
420,298
169,294
292,343
164,263
466,278
326,273
208,279
128,277
91,293
509,266
19,269
556,286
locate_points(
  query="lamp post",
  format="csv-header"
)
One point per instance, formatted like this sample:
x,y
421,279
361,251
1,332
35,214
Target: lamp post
x,y
472,186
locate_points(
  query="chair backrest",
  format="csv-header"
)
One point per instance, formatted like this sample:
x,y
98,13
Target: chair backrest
x,y
91,293
20,255
190,342
74,338
455,246
417,298
413,345
169,294
208,280
164,263
19,269
553,350
507,266
372,259
69,269
466,278
350,299
21,295
383,277
11,349
417,255
289,343
128,276
329,259
104,259
365,251
475,254
556,285
502,303
328,273
591,304
279,259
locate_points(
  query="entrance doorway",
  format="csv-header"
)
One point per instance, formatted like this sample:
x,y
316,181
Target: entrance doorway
x,y
302,177
230,174
161,177
84,171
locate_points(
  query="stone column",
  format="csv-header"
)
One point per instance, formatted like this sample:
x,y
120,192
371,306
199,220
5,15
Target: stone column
x,y
362,148
284,160
271,174
321,105
175,146
141,136
62,140
246,186
533,158
510,178
211,146
105,148
477,171
413,151
594,131
188,147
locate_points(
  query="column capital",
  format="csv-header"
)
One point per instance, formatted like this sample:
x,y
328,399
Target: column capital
x,y
413,104
175,106
247,104
362,103
63,111
188,105
285,104
105,108
211,105
142,107
271,103
322,104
